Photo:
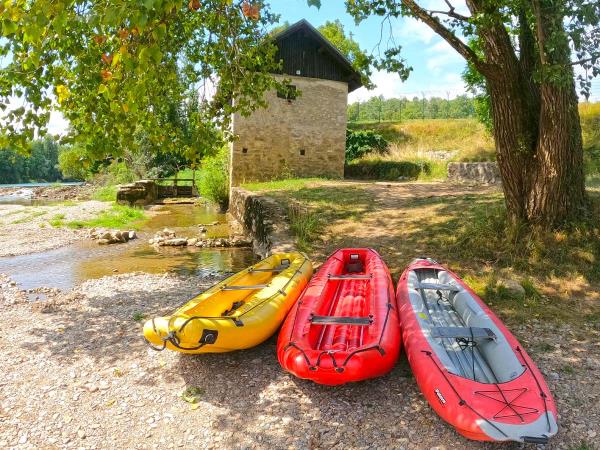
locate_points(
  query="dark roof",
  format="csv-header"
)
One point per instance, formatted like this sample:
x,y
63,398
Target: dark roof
x,y
304,49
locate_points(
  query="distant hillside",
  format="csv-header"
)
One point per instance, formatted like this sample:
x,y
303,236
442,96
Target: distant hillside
x,y
443,140
455,139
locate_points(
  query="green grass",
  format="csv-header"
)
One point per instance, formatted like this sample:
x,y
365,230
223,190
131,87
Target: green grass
x,y
105,193
138,316
118,216
57,221
186,173
292,184
305,225
28,216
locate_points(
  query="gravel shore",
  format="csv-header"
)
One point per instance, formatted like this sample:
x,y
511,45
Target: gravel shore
x,y
76,374
28,229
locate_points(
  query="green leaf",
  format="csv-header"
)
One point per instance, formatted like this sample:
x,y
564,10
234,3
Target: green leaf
x,y
316,3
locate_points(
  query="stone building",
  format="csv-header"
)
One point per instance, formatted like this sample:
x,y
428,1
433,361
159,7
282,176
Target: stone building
x,y
302,135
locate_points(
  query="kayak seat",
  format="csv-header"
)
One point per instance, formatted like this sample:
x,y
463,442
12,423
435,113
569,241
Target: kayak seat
x,y
462,333
355,265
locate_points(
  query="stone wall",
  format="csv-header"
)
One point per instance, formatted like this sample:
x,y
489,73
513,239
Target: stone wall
x,y
475,172
304,137
143,192
263,220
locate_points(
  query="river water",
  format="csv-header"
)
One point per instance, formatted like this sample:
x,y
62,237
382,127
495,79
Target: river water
x,y
67,266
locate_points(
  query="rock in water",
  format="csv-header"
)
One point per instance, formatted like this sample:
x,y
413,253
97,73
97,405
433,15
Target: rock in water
x,y
176,242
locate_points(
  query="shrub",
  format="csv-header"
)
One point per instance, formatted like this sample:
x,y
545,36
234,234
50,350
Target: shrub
x,y
70,163
214,178
377,169
362,142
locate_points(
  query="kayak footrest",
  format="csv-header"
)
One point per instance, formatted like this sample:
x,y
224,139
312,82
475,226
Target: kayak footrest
x,y
438,287
349,277
252,287
462,333
341,320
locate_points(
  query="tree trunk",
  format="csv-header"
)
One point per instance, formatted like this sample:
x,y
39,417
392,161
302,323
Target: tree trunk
x,y
537,132
557,190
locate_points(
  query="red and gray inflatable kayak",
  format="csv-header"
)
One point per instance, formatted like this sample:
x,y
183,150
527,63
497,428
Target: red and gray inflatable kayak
x,y
344,327
471,369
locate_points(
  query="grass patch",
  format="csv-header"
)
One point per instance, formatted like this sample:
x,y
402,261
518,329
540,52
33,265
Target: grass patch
x,y
119,216
28,216
305,226
57,221
105,193
138,316
291,184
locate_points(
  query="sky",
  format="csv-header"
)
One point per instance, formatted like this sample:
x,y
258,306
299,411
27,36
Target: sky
x,y
436,66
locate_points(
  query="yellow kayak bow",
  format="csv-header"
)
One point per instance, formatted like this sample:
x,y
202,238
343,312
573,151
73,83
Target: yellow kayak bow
x,y
239,312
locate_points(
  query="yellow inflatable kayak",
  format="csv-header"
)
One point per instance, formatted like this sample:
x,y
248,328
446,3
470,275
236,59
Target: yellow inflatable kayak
x,y
239,312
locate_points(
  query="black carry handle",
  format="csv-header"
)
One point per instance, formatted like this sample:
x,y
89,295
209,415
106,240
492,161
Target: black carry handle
x,y
535,439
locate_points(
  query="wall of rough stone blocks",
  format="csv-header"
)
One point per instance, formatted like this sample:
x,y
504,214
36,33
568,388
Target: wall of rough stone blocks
x,y
305,137
474,172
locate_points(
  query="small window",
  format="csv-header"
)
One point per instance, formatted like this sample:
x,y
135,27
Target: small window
x,y
288,93
244,150
302,152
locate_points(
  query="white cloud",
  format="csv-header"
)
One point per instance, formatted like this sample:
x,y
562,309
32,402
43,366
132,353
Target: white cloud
x,y
442,55
413,30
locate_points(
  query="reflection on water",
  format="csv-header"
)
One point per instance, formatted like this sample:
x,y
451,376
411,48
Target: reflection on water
x,y
66,266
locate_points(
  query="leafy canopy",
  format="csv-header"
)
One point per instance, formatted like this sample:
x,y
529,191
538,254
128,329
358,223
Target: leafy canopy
x,y
110,66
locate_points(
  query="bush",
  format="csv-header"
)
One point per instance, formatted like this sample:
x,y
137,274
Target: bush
x,y
362,142
214,178
377,169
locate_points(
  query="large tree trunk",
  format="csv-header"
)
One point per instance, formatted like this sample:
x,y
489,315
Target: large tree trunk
x,y
537,131
557,190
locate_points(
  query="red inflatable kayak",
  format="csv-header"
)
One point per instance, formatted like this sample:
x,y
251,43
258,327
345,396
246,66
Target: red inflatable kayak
x,y
471,369
344,327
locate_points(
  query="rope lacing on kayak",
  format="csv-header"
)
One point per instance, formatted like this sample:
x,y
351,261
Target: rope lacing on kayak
x,y
174,340
537,382
503,400
461,401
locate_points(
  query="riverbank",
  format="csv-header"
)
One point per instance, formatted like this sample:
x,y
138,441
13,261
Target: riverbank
x,y
30,229
51,192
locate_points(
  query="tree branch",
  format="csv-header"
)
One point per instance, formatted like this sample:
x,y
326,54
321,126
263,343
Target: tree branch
x,y
540,32
452,14
463,49
592,58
